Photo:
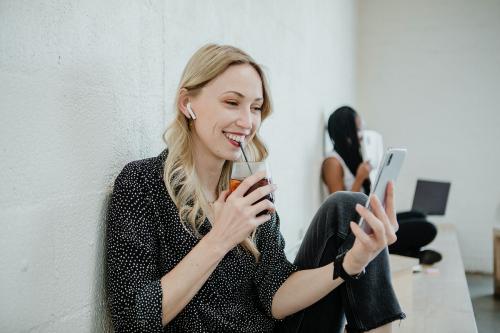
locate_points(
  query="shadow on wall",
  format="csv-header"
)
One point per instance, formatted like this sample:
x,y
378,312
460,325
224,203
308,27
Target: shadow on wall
x,y
497,215
325,139
101,317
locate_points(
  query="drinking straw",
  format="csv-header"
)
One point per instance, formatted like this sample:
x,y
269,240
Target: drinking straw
x,y
246,159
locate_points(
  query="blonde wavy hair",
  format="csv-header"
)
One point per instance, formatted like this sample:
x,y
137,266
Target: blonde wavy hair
x,y
179,170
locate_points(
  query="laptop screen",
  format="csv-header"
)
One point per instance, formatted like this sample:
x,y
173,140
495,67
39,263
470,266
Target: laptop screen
x,y
431,197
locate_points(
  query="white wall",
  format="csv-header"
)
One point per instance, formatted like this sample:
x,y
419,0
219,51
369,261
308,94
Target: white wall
x,y
87,86
429,79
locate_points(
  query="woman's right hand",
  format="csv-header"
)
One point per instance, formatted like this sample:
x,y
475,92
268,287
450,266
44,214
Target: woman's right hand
x,y
235,215
384,225
363,170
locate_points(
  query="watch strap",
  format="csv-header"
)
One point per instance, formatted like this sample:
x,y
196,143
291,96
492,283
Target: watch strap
x,y
339,271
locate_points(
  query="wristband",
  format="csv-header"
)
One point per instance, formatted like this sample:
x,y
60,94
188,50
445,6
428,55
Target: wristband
x,y
339,271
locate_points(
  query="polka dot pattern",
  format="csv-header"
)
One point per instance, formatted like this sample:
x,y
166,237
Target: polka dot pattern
x,y
145,240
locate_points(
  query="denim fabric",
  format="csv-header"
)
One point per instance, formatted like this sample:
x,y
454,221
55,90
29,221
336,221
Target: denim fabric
x,y
367,303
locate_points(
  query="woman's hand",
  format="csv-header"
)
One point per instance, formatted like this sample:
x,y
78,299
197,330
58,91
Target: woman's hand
x,y
235,215
384,225
363,171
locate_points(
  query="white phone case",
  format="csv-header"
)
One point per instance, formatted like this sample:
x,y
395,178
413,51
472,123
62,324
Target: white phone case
x,y
389,170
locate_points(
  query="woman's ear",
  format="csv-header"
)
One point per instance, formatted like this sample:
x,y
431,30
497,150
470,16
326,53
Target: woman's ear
x,y
184,105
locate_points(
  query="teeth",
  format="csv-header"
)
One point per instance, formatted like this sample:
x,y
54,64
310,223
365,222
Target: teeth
x,y
236,138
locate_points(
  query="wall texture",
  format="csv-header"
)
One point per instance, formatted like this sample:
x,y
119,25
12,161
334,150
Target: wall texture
x,y
87,86
428,79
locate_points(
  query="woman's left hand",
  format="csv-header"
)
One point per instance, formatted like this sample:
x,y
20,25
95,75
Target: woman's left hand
x,y
384,225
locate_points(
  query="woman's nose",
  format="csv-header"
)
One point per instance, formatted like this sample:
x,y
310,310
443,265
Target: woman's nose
x,y
245,119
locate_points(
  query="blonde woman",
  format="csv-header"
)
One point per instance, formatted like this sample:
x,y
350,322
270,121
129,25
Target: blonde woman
x,y
184,255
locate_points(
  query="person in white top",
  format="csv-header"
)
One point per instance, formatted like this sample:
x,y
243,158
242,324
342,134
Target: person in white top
x,y
343,169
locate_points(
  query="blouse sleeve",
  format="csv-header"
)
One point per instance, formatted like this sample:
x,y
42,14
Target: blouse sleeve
x,y
273,268
133,279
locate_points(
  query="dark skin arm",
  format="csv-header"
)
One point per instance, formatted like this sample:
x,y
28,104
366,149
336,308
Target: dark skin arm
x,y
333,175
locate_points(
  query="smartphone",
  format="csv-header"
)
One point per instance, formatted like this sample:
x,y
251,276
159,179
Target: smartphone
x,y
388,171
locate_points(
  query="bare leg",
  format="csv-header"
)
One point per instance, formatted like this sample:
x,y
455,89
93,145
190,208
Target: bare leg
x,y
387,328
382,329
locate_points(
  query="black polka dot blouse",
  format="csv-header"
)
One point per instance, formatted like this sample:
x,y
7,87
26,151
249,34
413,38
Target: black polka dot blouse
x,y
145,240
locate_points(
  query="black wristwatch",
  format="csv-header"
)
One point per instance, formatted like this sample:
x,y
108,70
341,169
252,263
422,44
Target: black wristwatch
x,y
338,269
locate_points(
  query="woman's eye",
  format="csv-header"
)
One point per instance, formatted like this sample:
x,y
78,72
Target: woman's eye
x,y
258,109
232,103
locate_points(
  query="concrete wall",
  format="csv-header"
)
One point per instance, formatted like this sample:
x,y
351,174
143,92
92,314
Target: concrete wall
x,y
86,86
429,79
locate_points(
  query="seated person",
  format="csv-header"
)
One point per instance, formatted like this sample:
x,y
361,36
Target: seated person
x,y
343,169
186,255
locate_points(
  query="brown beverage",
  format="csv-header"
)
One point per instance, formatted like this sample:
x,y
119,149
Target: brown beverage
x,y
234,183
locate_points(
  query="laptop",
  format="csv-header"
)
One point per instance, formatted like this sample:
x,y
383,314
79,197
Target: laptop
x,y
431,197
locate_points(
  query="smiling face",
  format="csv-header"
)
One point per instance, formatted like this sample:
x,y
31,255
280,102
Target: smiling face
x,y
228,111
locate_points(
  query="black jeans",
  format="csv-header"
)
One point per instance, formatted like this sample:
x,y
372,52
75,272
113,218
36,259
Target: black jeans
x,y
367,303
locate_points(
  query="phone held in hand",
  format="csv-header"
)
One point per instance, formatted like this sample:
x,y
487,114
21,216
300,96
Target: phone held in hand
x,y
389,170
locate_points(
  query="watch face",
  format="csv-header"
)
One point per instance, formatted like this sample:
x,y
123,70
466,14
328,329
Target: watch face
x,y
338,269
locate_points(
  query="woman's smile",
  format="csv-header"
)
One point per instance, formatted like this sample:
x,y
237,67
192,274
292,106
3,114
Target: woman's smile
x,y
235,138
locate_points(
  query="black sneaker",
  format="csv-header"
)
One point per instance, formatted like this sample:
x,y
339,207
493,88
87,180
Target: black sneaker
x,y
429,257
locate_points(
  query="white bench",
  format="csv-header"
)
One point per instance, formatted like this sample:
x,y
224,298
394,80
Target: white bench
x,y
402,281
440,300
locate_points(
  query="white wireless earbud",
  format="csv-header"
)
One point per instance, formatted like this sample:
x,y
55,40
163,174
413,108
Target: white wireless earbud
x,y
190,111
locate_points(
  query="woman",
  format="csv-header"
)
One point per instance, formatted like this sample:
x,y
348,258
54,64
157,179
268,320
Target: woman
x,y
343,169
184,254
